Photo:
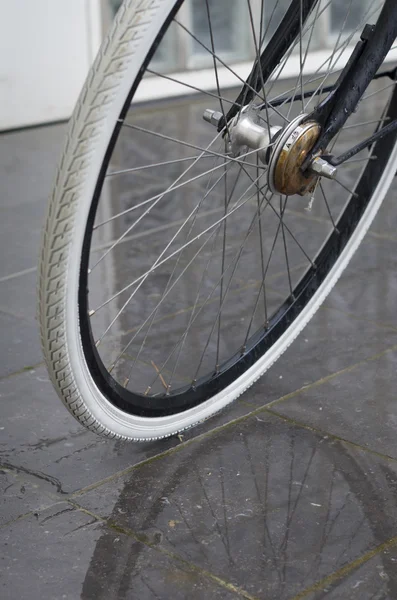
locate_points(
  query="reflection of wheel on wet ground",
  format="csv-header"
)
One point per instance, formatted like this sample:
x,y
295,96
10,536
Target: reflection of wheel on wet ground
x,y
178,262
263,506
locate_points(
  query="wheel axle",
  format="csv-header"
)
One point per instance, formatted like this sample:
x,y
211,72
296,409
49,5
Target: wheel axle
x,y
284,150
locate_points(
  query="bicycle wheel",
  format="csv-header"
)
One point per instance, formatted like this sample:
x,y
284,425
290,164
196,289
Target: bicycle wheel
x,y
177,263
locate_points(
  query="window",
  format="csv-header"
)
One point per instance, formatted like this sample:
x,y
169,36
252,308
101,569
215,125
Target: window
x,y
232,31
341,16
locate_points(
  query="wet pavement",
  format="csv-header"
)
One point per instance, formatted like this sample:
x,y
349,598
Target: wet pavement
x,y
290,493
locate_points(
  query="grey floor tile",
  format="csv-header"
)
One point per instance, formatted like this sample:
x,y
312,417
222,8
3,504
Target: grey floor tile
x,y
42,437
265,504
358,405
18,296
269,506
331,341
65,554
20,493
28,160
20,344
368,287
385,222
20,234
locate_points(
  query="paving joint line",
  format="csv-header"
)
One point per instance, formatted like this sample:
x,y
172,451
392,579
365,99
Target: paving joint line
x,y
347,569
11,313
142,539
231,423
23,516
26,369
378,324
328,434
330,579
241,419
331,376
17,274
387,237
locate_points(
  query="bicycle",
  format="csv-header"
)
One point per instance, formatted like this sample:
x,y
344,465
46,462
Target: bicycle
x,y
168,287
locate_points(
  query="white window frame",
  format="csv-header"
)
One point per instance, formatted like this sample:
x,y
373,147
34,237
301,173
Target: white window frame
x,y
188,70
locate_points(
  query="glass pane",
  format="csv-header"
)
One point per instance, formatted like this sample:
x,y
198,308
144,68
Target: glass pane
x,y
273,12
347,14
229,26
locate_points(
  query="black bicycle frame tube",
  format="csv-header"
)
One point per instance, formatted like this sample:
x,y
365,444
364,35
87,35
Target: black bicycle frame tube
x,y
334,111
361,68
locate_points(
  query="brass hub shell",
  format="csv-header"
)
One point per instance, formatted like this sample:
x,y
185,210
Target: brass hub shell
x,y
288,156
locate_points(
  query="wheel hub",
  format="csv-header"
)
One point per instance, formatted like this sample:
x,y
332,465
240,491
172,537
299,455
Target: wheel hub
x,y
283,150
245,130
289,153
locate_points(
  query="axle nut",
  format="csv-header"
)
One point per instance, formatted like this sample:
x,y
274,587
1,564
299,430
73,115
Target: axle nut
x,y
323,168
212,116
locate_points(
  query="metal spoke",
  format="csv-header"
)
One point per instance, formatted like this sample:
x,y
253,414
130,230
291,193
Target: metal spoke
x,y
152,166
258,58
187,144
346,188
127,302
194,316
335,140
336,45
229,69
282,211
192,87
339,49
239,254
215,64
279,69
249,286
158,304
155,200
196,39
179,277
180,344
358,161
262,286
375,122
387,87
285,98
144,202
303,62
207,192
262,254
236,207
206,268
327,205
156,197
154,230
262,37
136,206
301,53
286,227
222,270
